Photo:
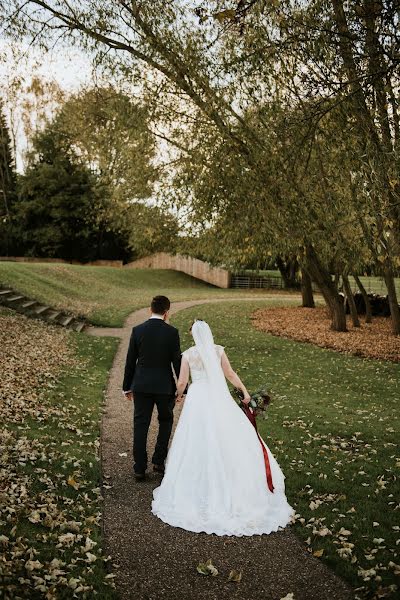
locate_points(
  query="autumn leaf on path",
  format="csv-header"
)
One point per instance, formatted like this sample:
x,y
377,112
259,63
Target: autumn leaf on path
x,y
207,568
235,576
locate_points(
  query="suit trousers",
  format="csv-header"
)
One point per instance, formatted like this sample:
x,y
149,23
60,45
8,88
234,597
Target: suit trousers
x,y
143,410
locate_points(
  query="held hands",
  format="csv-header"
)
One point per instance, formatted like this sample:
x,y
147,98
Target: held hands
x,y
129,396
180,397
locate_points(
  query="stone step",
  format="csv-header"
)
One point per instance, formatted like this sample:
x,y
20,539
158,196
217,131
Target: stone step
x,y
33,308
28,304
65,322
52,316
10,299
40,310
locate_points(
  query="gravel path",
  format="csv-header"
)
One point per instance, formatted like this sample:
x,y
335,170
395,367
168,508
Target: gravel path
x,y
157,561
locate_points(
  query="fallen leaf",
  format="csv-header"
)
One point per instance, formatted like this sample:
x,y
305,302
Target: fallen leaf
x,y
235,576
71,481
30,565
207,568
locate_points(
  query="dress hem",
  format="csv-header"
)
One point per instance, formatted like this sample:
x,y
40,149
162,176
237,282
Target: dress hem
x,y
224,532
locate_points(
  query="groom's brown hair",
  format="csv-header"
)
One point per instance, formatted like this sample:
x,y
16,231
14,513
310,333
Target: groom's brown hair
x,y
160,305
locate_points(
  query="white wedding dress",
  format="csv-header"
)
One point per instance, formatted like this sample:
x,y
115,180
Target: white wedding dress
x,y
215,477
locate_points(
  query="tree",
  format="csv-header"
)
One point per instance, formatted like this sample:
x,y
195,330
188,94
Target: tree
x,y
149,229
288,267
174,51
289,215
110,132
58,202
7,183
68,211
281,56
307,290
362,79
39,100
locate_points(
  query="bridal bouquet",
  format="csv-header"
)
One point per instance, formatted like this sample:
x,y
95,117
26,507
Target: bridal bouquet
x,y
258,404
259,401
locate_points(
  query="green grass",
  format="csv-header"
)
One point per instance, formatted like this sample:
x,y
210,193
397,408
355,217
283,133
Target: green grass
x,y
375,285
334,429
105,295
262,272
65,446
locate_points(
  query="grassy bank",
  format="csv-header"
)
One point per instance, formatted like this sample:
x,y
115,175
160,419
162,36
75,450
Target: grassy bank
x,y
50,510
334,429
105,295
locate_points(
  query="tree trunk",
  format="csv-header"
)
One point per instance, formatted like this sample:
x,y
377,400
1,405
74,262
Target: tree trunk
x,y
288,270
368,311
324,281
306,290
293,269
393,303
350,300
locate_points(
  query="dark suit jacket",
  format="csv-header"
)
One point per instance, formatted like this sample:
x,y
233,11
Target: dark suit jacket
x,y
153,346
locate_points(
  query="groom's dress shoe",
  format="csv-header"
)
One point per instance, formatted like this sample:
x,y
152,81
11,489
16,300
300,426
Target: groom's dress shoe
x,y
140,476
159,469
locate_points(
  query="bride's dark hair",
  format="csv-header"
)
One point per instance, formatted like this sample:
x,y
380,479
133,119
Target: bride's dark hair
x,y
192,323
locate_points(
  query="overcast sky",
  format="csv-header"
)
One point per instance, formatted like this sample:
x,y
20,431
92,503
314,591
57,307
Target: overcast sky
x,y
70,68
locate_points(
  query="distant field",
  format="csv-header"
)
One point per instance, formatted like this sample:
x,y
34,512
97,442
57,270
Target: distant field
x,y
105,295
375,285
372,284
262,272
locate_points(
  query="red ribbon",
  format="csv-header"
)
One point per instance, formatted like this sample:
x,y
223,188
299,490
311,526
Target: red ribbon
x,y
251,416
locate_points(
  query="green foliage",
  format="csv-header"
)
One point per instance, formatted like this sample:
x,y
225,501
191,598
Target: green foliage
x,y
281,120
77,197
111,133
59,199
149,229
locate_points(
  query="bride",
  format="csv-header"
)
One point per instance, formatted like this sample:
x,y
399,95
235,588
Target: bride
x,y
215,477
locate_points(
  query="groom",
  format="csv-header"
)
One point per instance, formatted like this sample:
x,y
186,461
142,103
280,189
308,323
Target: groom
x,y
154,346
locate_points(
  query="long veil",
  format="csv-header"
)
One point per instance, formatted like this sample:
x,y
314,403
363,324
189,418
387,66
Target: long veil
x,y
204,341
220,397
